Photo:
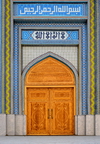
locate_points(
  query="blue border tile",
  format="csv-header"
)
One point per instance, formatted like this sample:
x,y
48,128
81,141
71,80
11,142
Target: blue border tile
x,y
84,58
0,56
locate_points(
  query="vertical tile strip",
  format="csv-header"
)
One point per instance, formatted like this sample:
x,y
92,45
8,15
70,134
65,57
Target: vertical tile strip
x,y
92,60
7,56
3,56
0,56
84,68
97,54
97,42
99,49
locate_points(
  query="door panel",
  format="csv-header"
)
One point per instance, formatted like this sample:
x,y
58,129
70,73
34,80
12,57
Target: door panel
x,y
37,111
62,103
50,111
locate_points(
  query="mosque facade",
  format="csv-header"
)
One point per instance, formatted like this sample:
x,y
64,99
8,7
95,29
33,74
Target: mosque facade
x,y
49,67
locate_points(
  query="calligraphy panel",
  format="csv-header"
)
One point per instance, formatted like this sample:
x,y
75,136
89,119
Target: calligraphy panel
x,y
50,35
49,9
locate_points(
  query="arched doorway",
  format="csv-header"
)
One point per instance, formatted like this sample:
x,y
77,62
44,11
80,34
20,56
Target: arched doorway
x,y
50,98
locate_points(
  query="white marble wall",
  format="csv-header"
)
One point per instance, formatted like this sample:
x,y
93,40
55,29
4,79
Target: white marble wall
x,y
19,126
16,125
11,124
97,125
2,124
76,125
24,131
81,125
89,124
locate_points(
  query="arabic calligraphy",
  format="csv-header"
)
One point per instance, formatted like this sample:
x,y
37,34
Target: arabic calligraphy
x,y
50,9
49,35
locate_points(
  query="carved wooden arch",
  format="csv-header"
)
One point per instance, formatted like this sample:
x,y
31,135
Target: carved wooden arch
x,y
49,72
38,60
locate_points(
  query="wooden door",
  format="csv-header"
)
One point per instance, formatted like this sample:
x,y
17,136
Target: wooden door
x,y
62,109
50,111
37,111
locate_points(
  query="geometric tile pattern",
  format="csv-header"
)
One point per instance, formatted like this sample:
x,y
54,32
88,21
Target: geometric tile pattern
x,y
97,86
3,56
92,60
97,55
84,66
71,35
68,52
98,30
84,58
84,73
8,57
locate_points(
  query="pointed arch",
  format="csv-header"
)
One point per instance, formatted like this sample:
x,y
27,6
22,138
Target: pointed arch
x,y
58,58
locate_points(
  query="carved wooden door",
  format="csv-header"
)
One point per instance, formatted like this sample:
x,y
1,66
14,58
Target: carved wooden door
x,y
37,111
62,111
50,111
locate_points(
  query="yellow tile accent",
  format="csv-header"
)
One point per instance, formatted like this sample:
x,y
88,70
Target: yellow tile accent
x,y
92,58
3,56
7,56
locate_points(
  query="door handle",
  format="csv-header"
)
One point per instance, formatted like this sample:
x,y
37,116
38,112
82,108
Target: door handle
x,y
48,113
51,113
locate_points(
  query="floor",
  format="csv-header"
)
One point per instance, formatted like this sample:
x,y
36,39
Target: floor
x,y
49,139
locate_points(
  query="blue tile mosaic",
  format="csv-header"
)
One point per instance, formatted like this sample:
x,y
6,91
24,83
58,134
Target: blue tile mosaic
x,y
84,57
50,9
49,35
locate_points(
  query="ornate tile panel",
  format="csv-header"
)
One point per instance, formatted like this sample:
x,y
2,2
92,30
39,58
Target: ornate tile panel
x,y
49,35
68,52
84,78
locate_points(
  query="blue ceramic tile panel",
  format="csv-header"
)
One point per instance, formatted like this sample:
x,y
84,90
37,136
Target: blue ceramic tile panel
x,y
49,9
84,56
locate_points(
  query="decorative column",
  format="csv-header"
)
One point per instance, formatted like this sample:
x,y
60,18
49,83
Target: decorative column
x,y
92,60
8,101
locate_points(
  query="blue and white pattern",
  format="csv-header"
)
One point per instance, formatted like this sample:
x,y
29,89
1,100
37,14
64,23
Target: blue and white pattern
x,y
84,57
50,9
49,35
84,71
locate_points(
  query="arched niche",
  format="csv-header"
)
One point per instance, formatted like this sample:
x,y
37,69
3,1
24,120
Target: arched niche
x,y
49,72
68,74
